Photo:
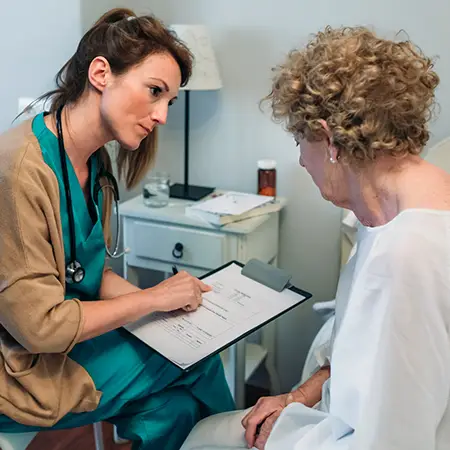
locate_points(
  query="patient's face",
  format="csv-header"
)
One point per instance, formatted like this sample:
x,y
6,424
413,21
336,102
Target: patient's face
x,y
328,177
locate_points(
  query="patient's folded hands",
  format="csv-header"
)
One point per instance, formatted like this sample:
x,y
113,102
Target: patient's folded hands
x,y
259,421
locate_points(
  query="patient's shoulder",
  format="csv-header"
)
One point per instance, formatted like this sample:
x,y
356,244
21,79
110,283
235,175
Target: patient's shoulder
x,y
416,232
415,245
412,256
403,270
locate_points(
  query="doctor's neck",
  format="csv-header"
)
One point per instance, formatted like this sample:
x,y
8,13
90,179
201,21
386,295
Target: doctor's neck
x,y
84,131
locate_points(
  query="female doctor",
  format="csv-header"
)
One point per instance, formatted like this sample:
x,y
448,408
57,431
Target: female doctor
x,y
357,106
65,361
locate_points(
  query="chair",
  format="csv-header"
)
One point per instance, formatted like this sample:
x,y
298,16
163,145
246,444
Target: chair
x,y
20,441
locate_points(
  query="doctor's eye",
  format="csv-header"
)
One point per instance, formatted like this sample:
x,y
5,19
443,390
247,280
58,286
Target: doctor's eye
x,y
155,91
296,142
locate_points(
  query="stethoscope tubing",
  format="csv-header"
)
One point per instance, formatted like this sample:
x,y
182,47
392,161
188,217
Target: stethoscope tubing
x,y
74,267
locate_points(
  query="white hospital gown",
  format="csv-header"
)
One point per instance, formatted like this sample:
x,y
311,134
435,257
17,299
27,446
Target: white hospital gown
x,y
390,367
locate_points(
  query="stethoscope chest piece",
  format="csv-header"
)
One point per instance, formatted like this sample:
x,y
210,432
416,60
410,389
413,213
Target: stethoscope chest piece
x,y
74,272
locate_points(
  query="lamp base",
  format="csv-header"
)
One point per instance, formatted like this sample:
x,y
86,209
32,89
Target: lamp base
x,y
189,192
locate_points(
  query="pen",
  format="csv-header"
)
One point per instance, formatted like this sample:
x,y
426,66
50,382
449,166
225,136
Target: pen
x,y
174,270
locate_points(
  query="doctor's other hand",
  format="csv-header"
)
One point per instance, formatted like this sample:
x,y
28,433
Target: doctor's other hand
x,y
181,291
259,421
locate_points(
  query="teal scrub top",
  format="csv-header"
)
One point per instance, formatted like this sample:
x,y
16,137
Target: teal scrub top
x,y
90,246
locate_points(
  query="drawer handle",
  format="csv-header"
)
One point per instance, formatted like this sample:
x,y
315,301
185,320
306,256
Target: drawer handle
x,y
177,251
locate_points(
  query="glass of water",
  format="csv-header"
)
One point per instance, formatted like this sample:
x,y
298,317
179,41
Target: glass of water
x,y
156,190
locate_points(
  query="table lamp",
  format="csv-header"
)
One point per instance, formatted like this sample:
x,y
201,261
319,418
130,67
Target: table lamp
x,y
205,77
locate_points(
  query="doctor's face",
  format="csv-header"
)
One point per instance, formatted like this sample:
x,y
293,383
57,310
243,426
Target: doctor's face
x,y
134,103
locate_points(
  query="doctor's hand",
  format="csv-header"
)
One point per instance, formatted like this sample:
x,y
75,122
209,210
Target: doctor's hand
x,y
259,421
181,291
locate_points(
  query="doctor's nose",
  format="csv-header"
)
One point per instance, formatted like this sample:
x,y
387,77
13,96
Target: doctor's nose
x,y
159,114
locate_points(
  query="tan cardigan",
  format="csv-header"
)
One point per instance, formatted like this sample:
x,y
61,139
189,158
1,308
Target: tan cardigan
x,y
39,384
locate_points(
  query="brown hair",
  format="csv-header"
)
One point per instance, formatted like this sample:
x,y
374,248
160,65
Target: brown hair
x,y
125,40
375,95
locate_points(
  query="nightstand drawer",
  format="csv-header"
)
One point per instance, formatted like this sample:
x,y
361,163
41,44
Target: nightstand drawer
x,y
161,242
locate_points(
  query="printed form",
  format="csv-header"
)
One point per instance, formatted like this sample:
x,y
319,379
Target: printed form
x,y
235,306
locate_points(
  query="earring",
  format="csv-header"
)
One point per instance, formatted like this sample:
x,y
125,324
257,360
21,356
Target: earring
x,y
332,161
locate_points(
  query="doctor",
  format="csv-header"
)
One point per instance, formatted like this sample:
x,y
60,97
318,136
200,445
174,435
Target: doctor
x,y
64,359
357,107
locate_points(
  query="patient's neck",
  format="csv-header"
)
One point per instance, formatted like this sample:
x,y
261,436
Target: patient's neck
x,y
379,192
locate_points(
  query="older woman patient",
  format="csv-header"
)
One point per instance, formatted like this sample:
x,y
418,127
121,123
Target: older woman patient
x,y
357,107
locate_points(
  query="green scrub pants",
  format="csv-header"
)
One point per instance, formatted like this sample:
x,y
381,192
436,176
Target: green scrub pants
x,y
151,401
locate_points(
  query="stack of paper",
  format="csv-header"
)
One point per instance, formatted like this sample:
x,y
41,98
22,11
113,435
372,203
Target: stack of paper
x,y
232,207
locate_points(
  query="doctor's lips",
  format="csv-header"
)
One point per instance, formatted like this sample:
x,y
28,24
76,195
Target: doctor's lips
x,y
147,130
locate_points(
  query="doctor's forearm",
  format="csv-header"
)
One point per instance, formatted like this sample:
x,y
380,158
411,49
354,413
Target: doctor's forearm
x,y
114,285
311,390
102,316
182,291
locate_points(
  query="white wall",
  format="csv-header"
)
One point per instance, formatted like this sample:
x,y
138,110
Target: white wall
x,y
229,133
36,39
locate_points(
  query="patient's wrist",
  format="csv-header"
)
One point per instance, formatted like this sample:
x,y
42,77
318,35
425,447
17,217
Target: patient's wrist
x,y
310,392
297,396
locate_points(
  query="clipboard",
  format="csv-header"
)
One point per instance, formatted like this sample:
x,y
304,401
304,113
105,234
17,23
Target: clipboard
x,y
158,329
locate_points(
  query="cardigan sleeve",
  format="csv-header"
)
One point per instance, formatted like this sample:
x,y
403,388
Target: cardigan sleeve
x,y
32,305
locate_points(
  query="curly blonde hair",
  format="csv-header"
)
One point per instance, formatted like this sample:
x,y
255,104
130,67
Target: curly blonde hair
x,y
375,95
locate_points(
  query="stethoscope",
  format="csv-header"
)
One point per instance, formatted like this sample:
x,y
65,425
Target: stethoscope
x,y
75,272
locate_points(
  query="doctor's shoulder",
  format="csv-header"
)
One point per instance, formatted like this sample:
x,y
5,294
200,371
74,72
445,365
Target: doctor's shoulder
x,y
14,144
21,162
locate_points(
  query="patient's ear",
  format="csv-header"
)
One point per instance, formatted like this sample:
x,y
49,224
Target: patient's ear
x,y
326,128
333,152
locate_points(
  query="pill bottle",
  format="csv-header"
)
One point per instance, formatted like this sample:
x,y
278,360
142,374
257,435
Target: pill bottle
x,y
267,177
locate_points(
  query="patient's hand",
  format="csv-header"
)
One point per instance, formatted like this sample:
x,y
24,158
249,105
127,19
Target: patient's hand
x,y
264,414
